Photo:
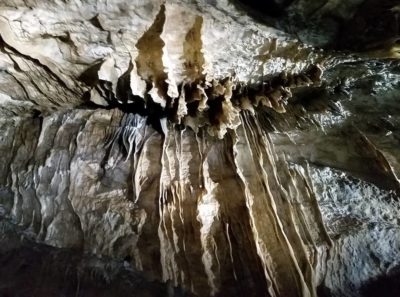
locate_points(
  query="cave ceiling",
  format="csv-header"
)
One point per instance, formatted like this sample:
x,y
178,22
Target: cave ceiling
x,y
200,148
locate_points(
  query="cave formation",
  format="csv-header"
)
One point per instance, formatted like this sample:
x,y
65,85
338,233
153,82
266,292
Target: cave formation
x,y
199,148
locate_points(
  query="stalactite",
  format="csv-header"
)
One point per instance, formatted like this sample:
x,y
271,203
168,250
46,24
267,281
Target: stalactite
x,y
199,145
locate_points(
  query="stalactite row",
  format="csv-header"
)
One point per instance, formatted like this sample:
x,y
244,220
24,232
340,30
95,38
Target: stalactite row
x,y
168,79
217,104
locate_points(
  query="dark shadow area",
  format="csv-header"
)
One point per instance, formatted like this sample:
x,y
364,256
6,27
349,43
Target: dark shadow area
x,y
383,286
39,270
356,26
271,8
375,24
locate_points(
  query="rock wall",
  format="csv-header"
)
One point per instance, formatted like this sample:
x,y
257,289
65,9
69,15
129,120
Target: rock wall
x,y
186,144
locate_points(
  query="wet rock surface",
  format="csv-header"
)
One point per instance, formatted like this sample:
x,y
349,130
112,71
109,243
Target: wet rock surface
x,y
185,148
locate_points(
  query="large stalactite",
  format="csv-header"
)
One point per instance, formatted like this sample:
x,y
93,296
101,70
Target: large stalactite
x,y
199,148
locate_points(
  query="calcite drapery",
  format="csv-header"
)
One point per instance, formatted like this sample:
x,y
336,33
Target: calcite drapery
x,y
191,208
148,132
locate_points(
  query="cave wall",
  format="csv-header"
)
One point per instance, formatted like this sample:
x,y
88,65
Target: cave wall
x,y
190,144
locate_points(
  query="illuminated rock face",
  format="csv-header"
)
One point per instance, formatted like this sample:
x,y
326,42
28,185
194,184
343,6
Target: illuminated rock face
x,y
185,144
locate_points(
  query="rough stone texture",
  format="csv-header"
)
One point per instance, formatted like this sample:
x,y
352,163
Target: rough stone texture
x,y
202,144
31,269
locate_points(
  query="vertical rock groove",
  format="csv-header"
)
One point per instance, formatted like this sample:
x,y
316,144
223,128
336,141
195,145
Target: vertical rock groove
x,y
199,148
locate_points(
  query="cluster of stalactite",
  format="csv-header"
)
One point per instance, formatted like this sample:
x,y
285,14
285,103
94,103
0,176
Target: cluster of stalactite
x,y
217,104
209,152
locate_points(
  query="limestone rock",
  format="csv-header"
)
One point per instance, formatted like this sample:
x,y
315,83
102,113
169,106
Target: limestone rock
x,y
199,148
